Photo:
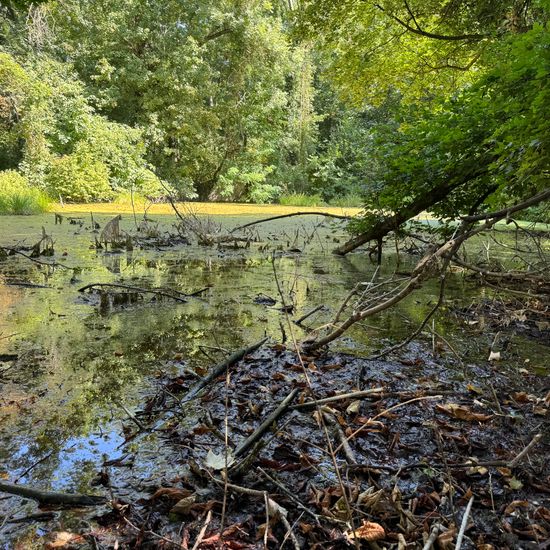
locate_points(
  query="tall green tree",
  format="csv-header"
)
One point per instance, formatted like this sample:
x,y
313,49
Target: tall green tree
x,y
206,82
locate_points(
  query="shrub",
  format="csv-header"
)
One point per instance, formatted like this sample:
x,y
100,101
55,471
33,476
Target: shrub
x,y
349,200
539,213
301,199
79,178
18,197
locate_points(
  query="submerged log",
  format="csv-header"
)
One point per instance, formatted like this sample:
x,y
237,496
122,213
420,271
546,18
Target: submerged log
x,y
50,497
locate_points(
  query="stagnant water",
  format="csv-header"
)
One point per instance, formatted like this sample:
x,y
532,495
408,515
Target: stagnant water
x,y
68,368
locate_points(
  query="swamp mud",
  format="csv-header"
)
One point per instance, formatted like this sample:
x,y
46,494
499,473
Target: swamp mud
x,y
109,387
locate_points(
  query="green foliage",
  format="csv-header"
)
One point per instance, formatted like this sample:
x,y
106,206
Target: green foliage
x,y
538,214
301,199
205,80
349,200
79,178
489,144
421,48
17,197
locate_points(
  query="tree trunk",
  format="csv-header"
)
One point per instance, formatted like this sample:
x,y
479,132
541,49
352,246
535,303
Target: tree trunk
x,y
384,225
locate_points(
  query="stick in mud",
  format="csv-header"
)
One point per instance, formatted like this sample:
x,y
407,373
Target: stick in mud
x,y
265,425
219,369
49,497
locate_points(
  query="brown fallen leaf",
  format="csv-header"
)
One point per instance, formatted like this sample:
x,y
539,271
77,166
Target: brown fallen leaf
x,y
183,506
446,540
514,505
463,413
369,531
62,539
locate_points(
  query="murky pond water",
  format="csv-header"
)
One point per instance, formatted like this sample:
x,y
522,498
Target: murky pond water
x,y
68,368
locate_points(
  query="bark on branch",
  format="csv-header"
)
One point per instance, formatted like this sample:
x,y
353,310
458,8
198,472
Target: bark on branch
x,y
423,270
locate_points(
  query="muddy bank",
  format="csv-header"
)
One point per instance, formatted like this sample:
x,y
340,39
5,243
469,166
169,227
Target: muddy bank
x,y
400,459
79,374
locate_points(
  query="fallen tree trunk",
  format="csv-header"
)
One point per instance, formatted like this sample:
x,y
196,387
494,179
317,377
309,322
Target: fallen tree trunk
x,y
50,497
380,227
423,270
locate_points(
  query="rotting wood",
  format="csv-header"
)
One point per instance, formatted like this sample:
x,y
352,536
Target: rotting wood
x,y
50,497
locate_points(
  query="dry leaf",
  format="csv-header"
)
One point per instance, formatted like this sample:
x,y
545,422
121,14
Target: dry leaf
x,y
353,407
463,413
62,538
446,540
474,389
369,499
218,462
514,483
369,531
184,505
513,506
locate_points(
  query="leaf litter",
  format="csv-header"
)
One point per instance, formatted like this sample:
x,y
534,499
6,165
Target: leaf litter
x,y
426,441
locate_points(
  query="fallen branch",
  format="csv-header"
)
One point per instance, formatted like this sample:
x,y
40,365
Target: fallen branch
x,y
340,397
464,524
219,369
49,497
281,216
267,423
424,269
513,463
308,314
173,294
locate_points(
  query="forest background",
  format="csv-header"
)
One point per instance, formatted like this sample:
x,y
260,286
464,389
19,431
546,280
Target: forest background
x,y
438,105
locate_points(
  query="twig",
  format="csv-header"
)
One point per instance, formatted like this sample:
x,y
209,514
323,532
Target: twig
x,y
291,215
203,530
132,417
173,294
464,524
352,435
308,314
340,397
513,463
267,423
289,494
433,535
348,451
34,465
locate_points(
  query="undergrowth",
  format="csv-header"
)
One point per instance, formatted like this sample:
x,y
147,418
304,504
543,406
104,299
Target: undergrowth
x,y
18,197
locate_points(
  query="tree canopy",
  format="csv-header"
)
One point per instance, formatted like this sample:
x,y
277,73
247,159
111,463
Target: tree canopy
x,y
396,101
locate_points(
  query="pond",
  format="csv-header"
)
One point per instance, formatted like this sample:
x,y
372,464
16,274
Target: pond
x,y
70,369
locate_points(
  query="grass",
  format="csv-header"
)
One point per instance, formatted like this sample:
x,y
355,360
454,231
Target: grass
x,y
301,199
351,200
24,202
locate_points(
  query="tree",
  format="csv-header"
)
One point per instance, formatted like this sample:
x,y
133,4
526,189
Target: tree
x,y
205,81
417,47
